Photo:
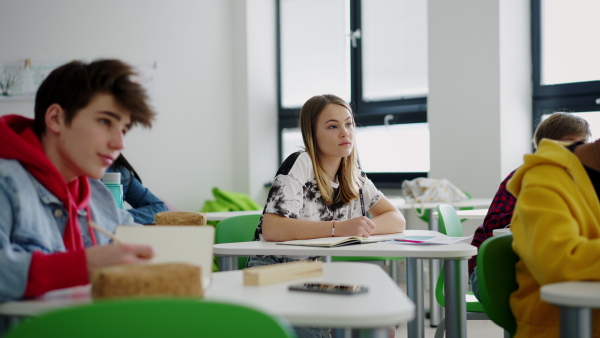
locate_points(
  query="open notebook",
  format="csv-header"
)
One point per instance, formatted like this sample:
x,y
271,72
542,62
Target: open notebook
x,y
330,242
183,244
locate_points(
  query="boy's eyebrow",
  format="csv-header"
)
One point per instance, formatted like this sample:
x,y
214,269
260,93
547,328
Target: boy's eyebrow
x,y
115,116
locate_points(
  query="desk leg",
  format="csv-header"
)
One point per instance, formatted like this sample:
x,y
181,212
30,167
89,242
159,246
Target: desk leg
x,y
455,287
361,333
435,310
575,322
414,284
227,263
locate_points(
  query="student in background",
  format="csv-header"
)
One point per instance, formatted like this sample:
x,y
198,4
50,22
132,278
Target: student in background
x,y
49,168
556,229
144,204
321,191
558,126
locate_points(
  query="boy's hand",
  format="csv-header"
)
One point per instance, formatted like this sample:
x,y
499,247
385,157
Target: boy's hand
x,y
359,226
99,257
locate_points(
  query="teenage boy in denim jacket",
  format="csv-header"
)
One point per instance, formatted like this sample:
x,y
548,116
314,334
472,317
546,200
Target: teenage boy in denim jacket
x,y
49,167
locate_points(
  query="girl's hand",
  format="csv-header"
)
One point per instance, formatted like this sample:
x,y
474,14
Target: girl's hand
x,y
359,226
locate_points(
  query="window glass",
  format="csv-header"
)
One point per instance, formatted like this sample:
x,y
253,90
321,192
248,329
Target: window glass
x,y
394,49
315,50
569,41
382,149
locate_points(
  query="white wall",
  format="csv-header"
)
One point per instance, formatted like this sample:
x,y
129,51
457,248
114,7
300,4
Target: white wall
x,y
189,149
479,106
479,103
255,110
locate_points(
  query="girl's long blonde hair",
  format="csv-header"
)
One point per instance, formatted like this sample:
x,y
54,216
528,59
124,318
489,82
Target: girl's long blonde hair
x,y
348,174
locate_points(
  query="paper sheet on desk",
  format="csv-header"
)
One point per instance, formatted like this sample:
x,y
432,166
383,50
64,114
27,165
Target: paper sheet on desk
x,y
428,240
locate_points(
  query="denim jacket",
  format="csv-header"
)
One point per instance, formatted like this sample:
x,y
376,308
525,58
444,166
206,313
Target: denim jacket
x,y
32,218
145,205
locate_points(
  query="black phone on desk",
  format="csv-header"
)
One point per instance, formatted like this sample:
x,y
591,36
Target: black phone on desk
x,y
342,289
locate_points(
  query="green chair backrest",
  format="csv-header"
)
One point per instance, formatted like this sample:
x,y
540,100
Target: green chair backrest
x,y
449,225
497,280
154,318
449,222
237,229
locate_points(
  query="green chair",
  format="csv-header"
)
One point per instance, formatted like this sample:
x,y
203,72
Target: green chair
x,y
450,225
154,318
496,276
425,214
237,229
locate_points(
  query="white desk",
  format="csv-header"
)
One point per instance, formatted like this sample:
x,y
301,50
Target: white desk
x,y
219,216
434,266
454,257
478,214
575,299
401,203
371,313
503,231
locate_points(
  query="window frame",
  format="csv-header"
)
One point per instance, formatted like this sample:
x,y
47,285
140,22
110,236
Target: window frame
x,y
409,110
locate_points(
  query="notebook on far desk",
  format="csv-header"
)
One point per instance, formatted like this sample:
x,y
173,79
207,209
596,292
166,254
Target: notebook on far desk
x,y
183,244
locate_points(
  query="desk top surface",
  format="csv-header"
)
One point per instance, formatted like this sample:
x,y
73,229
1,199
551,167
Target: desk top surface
x,y
384,305
385,249
401,203
219,216
575,294
468,214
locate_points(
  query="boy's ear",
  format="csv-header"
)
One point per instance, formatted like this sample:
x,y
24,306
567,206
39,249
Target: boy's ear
x,y
55,118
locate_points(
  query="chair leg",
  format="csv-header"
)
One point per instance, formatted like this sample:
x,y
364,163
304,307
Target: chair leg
x,y
441,329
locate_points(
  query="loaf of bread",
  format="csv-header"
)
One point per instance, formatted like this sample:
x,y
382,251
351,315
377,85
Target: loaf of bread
x,y
179,218
147,280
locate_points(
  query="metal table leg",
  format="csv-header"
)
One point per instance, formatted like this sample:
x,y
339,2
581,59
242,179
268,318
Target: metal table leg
x,y
435,310
414,284
227,263
575,322
455,286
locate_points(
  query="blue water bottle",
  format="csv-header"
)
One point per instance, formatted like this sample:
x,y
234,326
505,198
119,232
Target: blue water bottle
x,y
113,183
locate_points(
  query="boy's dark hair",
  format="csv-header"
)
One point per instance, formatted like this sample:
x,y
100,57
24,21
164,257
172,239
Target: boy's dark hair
x,y
74,84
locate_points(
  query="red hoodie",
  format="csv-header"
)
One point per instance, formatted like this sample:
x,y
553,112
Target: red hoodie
x,y
62,269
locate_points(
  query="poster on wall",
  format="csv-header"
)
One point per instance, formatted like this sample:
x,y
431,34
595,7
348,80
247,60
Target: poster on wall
x,y
20,80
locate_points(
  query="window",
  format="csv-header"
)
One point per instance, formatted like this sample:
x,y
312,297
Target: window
x,y
566,71
373,54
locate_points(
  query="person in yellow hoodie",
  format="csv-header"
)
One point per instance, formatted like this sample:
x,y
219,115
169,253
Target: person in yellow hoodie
x,y
556,229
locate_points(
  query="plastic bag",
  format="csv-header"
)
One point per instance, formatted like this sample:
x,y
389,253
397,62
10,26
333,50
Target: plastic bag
x,y
426,190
